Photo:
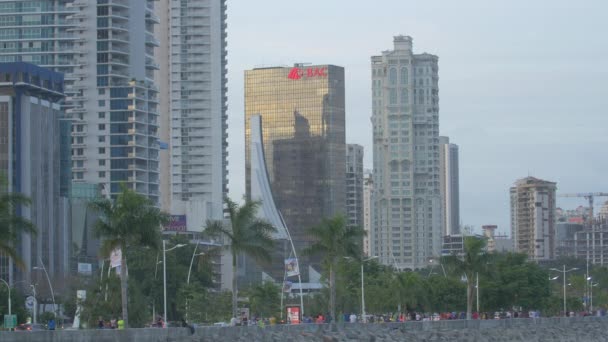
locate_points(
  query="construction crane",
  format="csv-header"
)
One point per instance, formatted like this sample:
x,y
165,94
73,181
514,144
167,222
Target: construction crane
x,y
588,196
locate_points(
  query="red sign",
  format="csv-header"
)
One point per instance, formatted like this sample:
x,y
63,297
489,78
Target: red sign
x,y
297,73
293,314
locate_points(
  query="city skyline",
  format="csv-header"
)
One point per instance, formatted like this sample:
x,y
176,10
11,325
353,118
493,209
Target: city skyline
x,y
499,86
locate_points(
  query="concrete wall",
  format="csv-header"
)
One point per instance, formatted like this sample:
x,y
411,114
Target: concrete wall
x,y
528,330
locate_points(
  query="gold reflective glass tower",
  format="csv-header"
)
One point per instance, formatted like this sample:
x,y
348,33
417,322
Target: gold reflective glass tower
x,y
302,110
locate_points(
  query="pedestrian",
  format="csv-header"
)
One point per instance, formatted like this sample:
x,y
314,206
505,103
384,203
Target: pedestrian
x,y
121,324
100,324
113,323
353,318
233,321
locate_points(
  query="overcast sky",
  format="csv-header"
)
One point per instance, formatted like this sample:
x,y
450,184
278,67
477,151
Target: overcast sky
x,y
522,84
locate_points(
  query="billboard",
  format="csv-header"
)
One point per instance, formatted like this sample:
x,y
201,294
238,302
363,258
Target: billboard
x,y
177,223
85,268
293,315
291,267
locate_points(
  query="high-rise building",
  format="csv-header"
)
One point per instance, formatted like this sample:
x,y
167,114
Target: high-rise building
x,y
106,51
354,185
302,115
30,111
533,218
407,201
193,87
368,188
449,186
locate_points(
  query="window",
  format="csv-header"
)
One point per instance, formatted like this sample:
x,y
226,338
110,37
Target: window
x,y
102,162
102,115
101,127
102,138
101,103
404,76
392,76
404,96
393,96
102,150
102,174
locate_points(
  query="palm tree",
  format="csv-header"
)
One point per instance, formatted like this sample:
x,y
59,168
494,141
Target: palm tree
x,y
472,262
408,290
247,234
131,220
334,240
11,224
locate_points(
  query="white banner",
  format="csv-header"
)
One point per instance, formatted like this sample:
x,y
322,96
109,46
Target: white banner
x,y
115,257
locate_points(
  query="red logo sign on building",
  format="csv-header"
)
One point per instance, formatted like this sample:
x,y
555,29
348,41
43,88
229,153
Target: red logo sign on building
x,y
297,73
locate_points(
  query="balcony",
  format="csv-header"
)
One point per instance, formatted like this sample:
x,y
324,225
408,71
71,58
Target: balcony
x,y
150,40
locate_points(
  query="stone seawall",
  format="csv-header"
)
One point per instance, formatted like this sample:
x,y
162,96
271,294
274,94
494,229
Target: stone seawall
x,y
525,330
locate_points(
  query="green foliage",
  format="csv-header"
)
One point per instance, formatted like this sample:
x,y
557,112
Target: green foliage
x,y
247,234
265,300
17,304
11,224
45,317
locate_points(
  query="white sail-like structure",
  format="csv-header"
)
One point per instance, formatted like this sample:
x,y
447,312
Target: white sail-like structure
x,y
260,190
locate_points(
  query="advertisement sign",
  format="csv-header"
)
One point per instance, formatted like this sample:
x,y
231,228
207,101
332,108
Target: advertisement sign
x,y
115,257
293,315
287,286
177,223
10,321
84,268
291,267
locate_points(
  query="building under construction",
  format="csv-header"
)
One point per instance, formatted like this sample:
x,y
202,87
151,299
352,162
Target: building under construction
x,y
533,217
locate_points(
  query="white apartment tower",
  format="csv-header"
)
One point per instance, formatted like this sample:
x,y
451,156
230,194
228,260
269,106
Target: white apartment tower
x,y
354,185
194,80
533,217
106,51
449,185
406,228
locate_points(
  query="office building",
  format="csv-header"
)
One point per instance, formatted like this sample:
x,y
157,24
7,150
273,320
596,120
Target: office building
x,y
106,51
533,218
302,123
564,238
193,99
405,118
354,185
368,188
449,186
30,110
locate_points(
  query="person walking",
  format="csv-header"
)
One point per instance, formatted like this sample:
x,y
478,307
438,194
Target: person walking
x,y
121,324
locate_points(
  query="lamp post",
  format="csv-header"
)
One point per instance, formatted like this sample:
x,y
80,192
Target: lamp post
x,y
165,250
9,295
35,302
363,288
591,295
563,270
50,286
194,254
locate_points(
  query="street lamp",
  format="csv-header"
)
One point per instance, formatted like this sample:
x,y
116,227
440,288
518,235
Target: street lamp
x,y
363,288
9,296
563,270
591,290
50,286
194,254
165,250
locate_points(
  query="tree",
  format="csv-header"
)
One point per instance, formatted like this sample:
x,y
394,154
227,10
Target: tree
x,y
131,220
247,234
265,299
11,224
409,290
469,265
334,240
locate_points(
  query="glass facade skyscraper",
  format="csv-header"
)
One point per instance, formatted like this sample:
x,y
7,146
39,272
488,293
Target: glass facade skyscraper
x,y
302,113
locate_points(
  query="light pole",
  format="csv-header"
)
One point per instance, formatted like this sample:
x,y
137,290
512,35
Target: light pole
x,y
50,287
363,288
189,271
35,301
563,270
591,294
165,250
477,288
9,296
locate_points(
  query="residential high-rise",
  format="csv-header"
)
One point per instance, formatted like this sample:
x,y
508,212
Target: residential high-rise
x,y
106,51
302,114
533,217
354,185
406,225
449,186
193,98
30,163
368,188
